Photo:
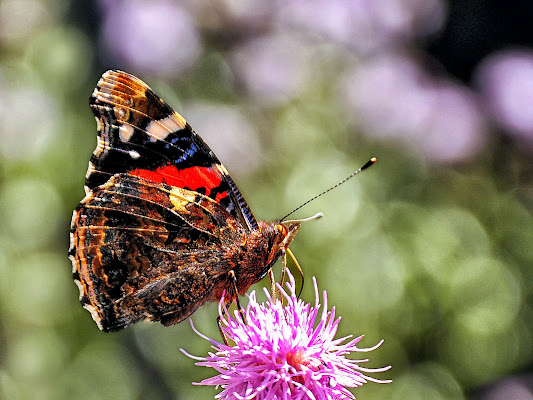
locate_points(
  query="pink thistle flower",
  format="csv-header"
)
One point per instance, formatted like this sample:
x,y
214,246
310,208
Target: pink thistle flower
x,y
279,353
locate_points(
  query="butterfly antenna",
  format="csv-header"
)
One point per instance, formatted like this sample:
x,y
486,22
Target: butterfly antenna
x,y
369,163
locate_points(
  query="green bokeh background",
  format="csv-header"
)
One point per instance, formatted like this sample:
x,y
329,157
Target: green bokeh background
x,y
435,259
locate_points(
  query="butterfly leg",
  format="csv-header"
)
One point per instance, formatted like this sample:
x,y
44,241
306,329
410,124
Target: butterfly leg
x,y
272,278
236,292
299,269
283,267
222,334
239,307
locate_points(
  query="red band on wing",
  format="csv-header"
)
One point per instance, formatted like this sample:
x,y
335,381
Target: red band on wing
x,y
192,178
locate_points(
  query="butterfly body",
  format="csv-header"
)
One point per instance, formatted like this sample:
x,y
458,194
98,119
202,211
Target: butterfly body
x,y
162,224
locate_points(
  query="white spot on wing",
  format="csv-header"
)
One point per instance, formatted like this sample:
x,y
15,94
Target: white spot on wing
x,y
92,309
222,169
120,112
125,132
134,154
100,146
90,170
72,244
95,314
99,124
159,130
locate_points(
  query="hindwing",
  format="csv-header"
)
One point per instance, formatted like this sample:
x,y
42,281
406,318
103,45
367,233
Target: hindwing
x,y
146,250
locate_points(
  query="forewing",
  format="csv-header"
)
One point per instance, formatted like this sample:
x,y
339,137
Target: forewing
x,y
147,250
139,134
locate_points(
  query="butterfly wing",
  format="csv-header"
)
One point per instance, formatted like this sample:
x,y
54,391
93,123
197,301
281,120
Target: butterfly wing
x,y
162,220
140,134
145,250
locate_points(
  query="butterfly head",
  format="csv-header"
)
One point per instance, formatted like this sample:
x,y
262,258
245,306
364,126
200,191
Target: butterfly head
x,y
283,235
287,229
286,232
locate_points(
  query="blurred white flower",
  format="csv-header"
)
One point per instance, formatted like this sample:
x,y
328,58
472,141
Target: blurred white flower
x,y
29,123
22,20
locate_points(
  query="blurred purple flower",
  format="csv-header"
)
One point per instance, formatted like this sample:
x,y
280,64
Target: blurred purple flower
x,y
279,353
392,97
234,18
273,68
510,387
365,24
506,81
151,37
455,128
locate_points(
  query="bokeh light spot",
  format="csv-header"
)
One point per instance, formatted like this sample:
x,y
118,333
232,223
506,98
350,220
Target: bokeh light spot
x,y
31,213
24,132
489,307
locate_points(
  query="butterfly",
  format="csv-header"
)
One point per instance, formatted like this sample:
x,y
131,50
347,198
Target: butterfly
x,y
163,227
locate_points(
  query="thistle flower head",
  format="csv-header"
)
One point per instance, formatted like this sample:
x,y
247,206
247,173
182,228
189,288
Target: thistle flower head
x,y
285,351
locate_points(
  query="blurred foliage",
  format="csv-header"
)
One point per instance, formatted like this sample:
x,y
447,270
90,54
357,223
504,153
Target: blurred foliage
x,y
431,252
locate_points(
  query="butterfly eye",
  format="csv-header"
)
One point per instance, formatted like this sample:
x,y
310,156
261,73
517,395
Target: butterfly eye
x,y
282,229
